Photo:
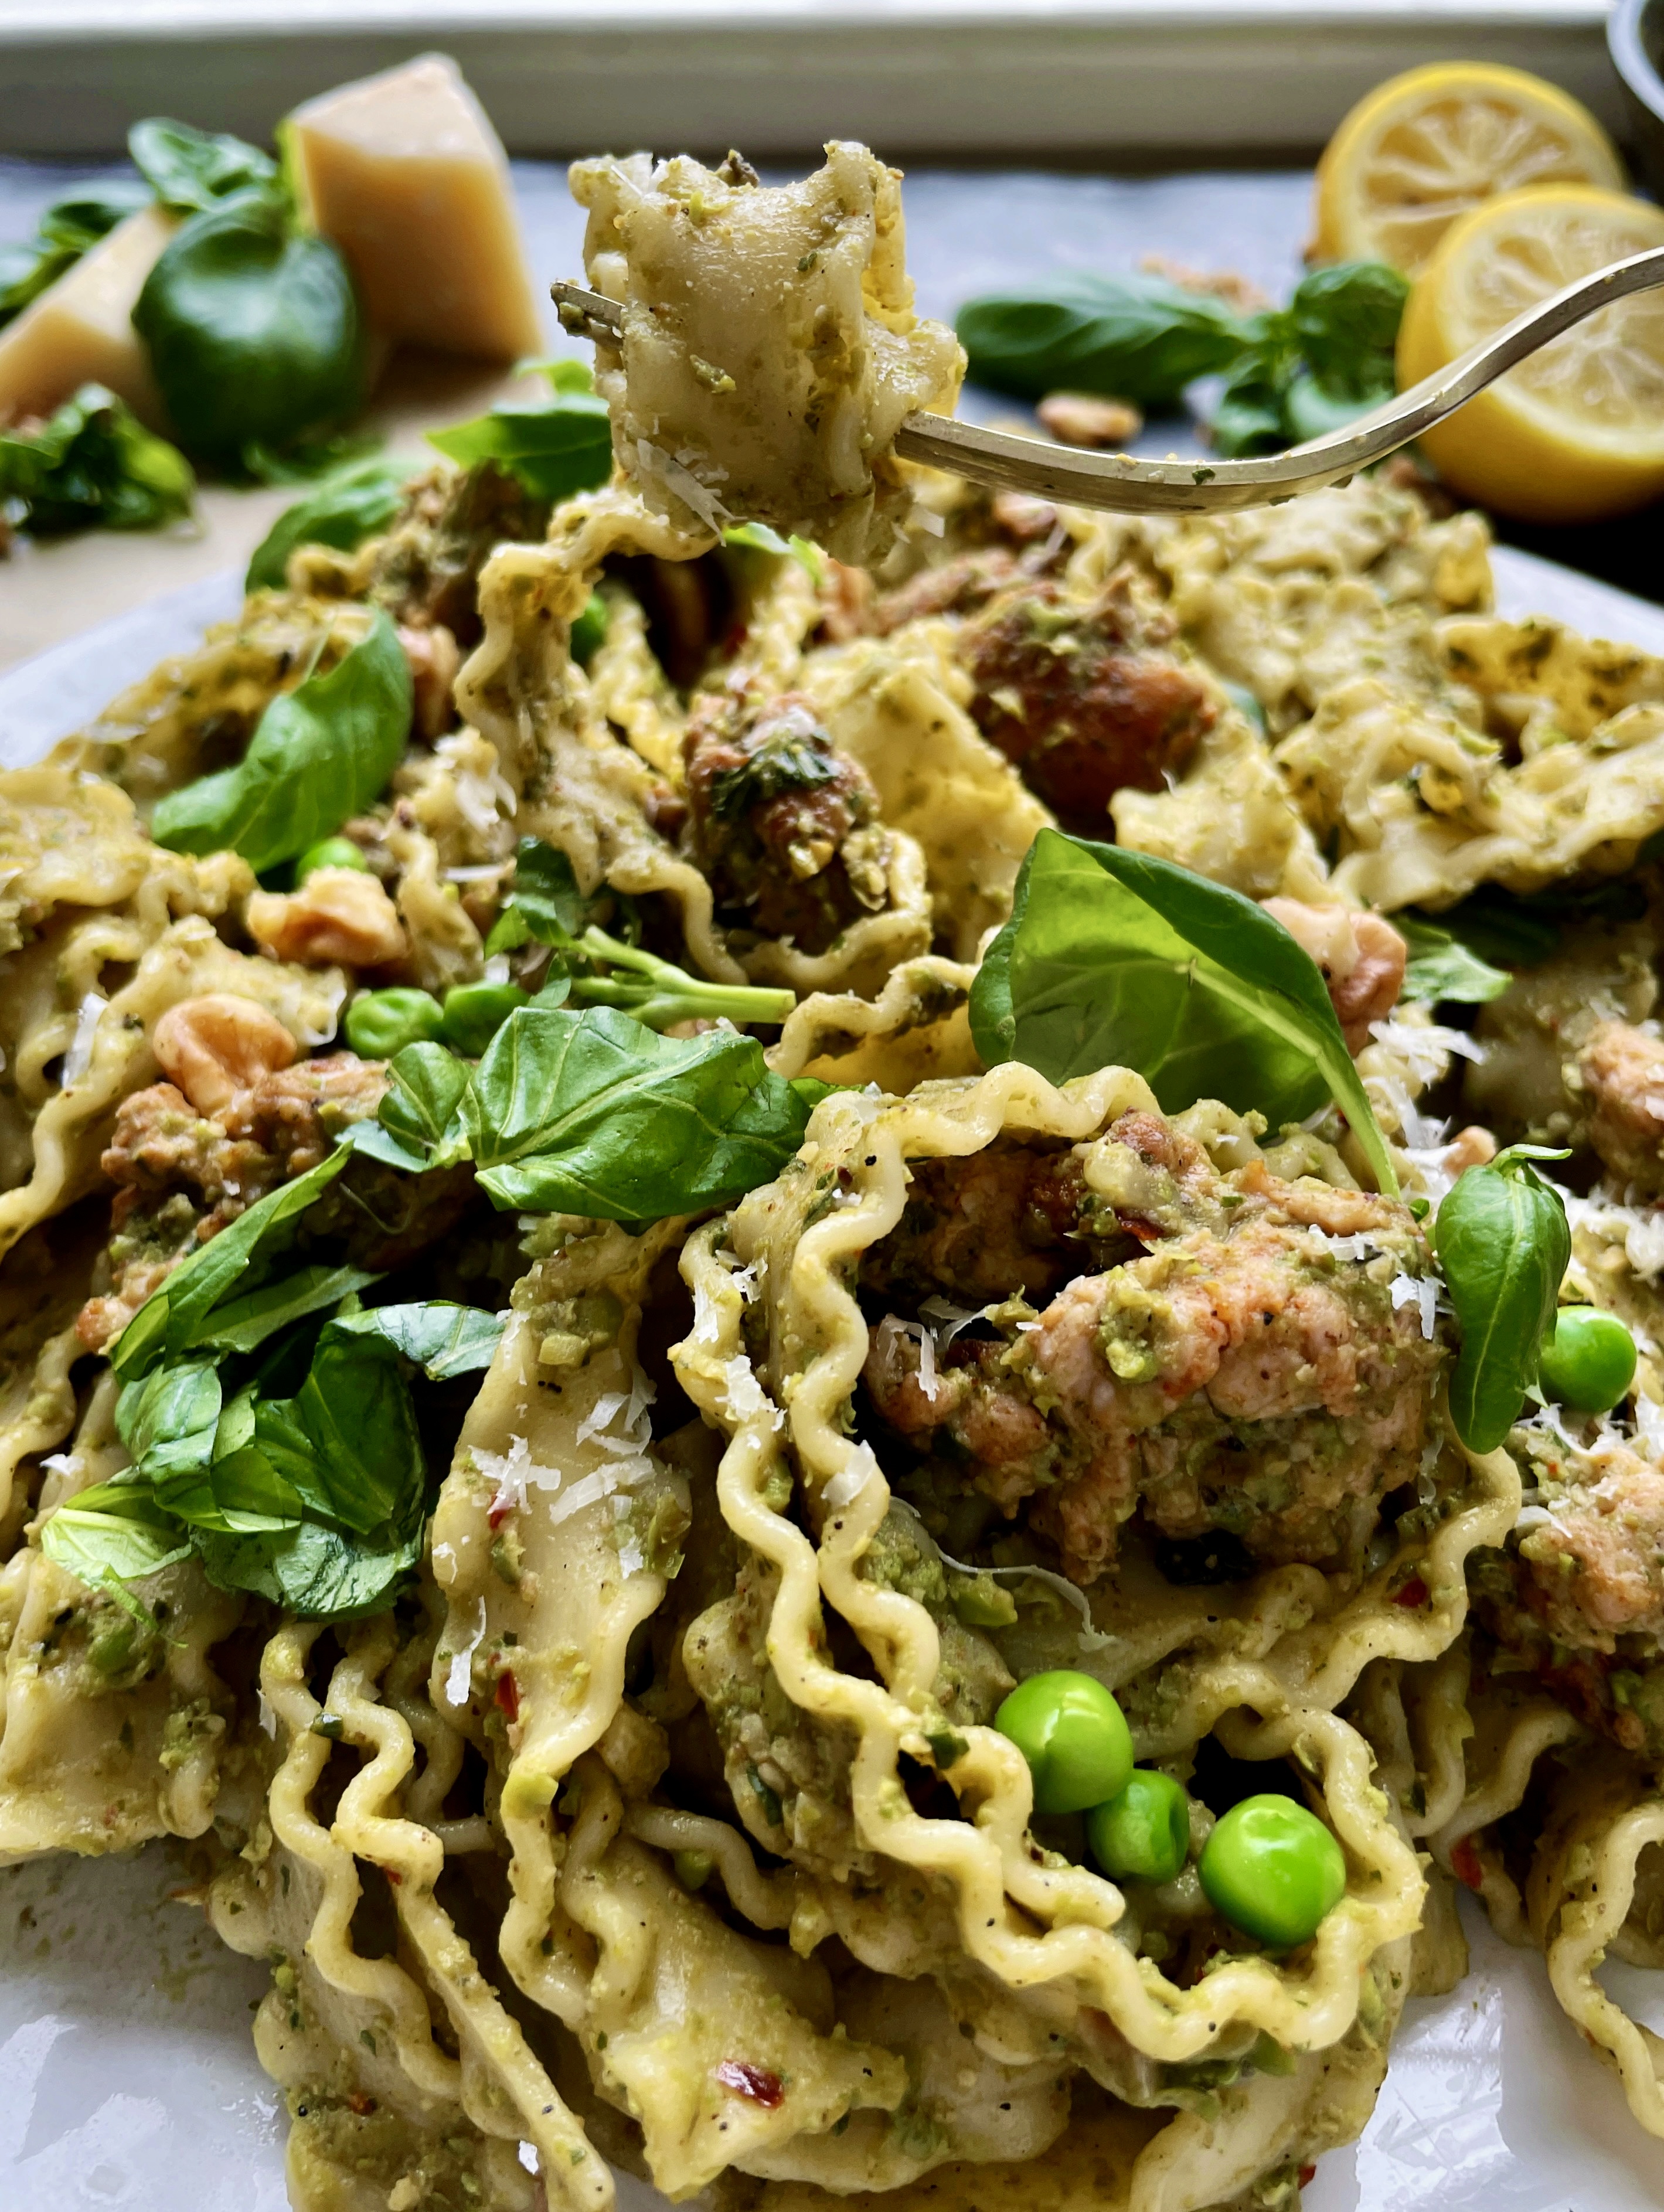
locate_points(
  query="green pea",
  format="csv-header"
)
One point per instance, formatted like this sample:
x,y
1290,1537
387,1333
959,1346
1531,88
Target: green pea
x,y
1143,1835
1588,1361
1074,1737
474,1012
378,1023
589,632
1273,1869
330,853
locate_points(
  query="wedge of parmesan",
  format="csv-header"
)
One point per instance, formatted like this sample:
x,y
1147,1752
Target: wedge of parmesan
x,y
80,331
405,174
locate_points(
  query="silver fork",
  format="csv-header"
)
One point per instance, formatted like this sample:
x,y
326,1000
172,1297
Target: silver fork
x,y
1130,487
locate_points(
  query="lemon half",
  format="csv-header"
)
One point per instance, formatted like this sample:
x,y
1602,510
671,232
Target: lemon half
x,y
1577,432
1425,149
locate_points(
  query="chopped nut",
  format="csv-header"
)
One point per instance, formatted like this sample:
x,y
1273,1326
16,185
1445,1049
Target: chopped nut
x,y
1080,419
338,915
217,1045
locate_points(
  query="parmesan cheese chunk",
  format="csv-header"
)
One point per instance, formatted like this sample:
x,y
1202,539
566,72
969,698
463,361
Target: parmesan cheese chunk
x,y
405,174
79,330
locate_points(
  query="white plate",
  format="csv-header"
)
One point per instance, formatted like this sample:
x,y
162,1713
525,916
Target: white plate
x,y
127,2081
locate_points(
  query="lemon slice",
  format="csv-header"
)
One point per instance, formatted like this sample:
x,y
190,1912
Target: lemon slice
x,y
1426,148
1575,433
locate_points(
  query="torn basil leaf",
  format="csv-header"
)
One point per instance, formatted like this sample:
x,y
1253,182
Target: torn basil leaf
x,y
319,755
93,464
253,330
1113,957
1443,970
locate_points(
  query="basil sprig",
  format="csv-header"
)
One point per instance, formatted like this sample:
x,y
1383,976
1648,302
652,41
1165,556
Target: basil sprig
x,y
591,968
1114,956
299,1475
592,1113
93,462
551,448
347,506
1311,367
319,755
271,1423
1503,1240
1292,372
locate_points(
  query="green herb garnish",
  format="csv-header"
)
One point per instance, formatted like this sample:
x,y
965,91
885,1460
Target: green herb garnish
x,y
253,330
319,755
69,228
1293,372
1503,1240
345,509
1442,969
93,461
1112,957
552,448
190,170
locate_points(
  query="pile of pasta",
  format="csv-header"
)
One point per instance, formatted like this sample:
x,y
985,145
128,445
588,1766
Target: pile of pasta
x,y
659,1821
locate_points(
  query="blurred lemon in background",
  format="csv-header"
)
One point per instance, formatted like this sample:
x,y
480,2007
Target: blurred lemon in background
x,y
1427,148
1577,432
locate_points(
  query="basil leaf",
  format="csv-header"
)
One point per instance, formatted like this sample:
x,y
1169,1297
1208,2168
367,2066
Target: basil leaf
x,y
544,901
442,1339
1137,338
112,1533
320,754
1310,367
346,508
1441,970
1502,1239
552,448
1114,956
349,1442
595,1114
190,170
321,1572
1343,320
66,231
418,1124
167,1421
93,464
246,1322
171,1319
253,330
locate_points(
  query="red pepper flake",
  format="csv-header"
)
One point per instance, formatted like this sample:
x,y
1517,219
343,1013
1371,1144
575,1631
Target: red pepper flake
x,y
508,1694
1308,2173
393,1875
1465,1865
359,2103
756,2082
498,1512
1414,1592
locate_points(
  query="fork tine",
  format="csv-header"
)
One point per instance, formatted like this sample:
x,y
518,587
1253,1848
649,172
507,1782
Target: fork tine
x,y
589,315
